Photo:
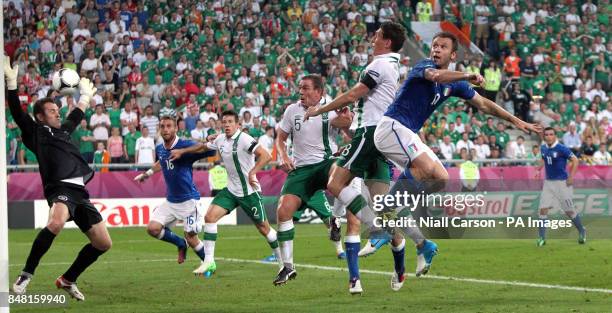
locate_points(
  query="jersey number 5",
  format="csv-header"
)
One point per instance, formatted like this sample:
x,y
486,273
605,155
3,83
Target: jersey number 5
x,y
298,122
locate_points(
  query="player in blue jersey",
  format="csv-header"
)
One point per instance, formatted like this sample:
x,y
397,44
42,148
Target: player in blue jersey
x,y
428,85
182,197
558,185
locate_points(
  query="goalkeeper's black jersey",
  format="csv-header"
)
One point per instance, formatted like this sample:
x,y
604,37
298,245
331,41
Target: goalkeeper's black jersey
x,y
58,157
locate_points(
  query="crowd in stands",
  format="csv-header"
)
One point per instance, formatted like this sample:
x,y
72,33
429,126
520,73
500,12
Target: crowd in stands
x,y
544,61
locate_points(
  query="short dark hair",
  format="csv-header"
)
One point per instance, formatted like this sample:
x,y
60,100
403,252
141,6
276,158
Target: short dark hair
x,y
317,80
169,118
39,107
396,33
450,36
230,113
548,128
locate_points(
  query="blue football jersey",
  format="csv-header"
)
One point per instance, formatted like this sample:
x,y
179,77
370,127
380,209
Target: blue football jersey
x,y
418,97
555,160
178,174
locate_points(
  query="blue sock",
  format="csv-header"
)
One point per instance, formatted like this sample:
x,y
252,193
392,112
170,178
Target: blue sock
x,y
542,229
199,250
352,251
578,223
398,257
169,236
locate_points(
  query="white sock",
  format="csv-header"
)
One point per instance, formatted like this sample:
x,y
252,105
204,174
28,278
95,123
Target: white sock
x,y
199,246
338,245
286,247
352,238
209,245
400,246
347,195
161,234
271,236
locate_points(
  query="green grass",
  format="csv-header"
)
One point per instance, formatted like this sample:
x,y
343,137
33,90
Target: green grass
x,y
140,274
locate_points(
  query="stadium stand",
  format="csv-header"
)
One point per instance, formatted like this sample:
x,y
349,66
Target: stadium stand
x,y
546,61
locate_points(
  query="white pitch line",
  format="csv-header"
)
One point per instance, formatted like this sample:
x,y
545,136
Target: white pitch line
x,y
342,269
255,236
470,280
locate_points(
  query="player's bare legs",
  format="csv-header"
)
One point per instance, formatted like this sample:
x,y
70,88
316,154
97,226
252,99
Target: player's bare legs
x,y
272,237
338,185
100,242
58,215
287,205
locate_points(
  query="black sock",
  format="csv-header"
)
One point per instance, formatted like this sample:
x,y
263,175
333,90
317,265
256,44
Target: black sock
x,y
87,256
40,246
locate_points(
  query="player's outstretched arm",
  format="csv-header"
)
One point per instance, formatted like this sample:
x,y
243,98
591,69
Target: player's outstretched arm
x,y
263,157
343,120
143,176
281,146
447,76
199,147
23,120
489,107
354,94
87,90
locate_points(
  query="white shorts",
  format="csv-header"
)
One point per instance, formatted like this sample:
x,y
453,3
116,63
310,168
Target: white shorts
x,y
189,212
399,144
557,192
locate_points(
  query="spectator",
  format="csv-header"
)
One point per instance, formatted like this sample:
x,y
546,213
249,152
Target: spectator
x,y
602,156
447,148
482,13
516,149
115,146
145,148
200,132
572,140
501,136
482,149
150,121
129,143
493,77
168,109
85,139
101,156
127,118
192,117
100,123
587,150
465,143
267,139
568,71
424,11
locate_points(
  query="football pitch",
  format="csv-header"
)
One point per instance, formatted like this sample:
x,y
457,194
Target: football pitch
x,y
140,274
